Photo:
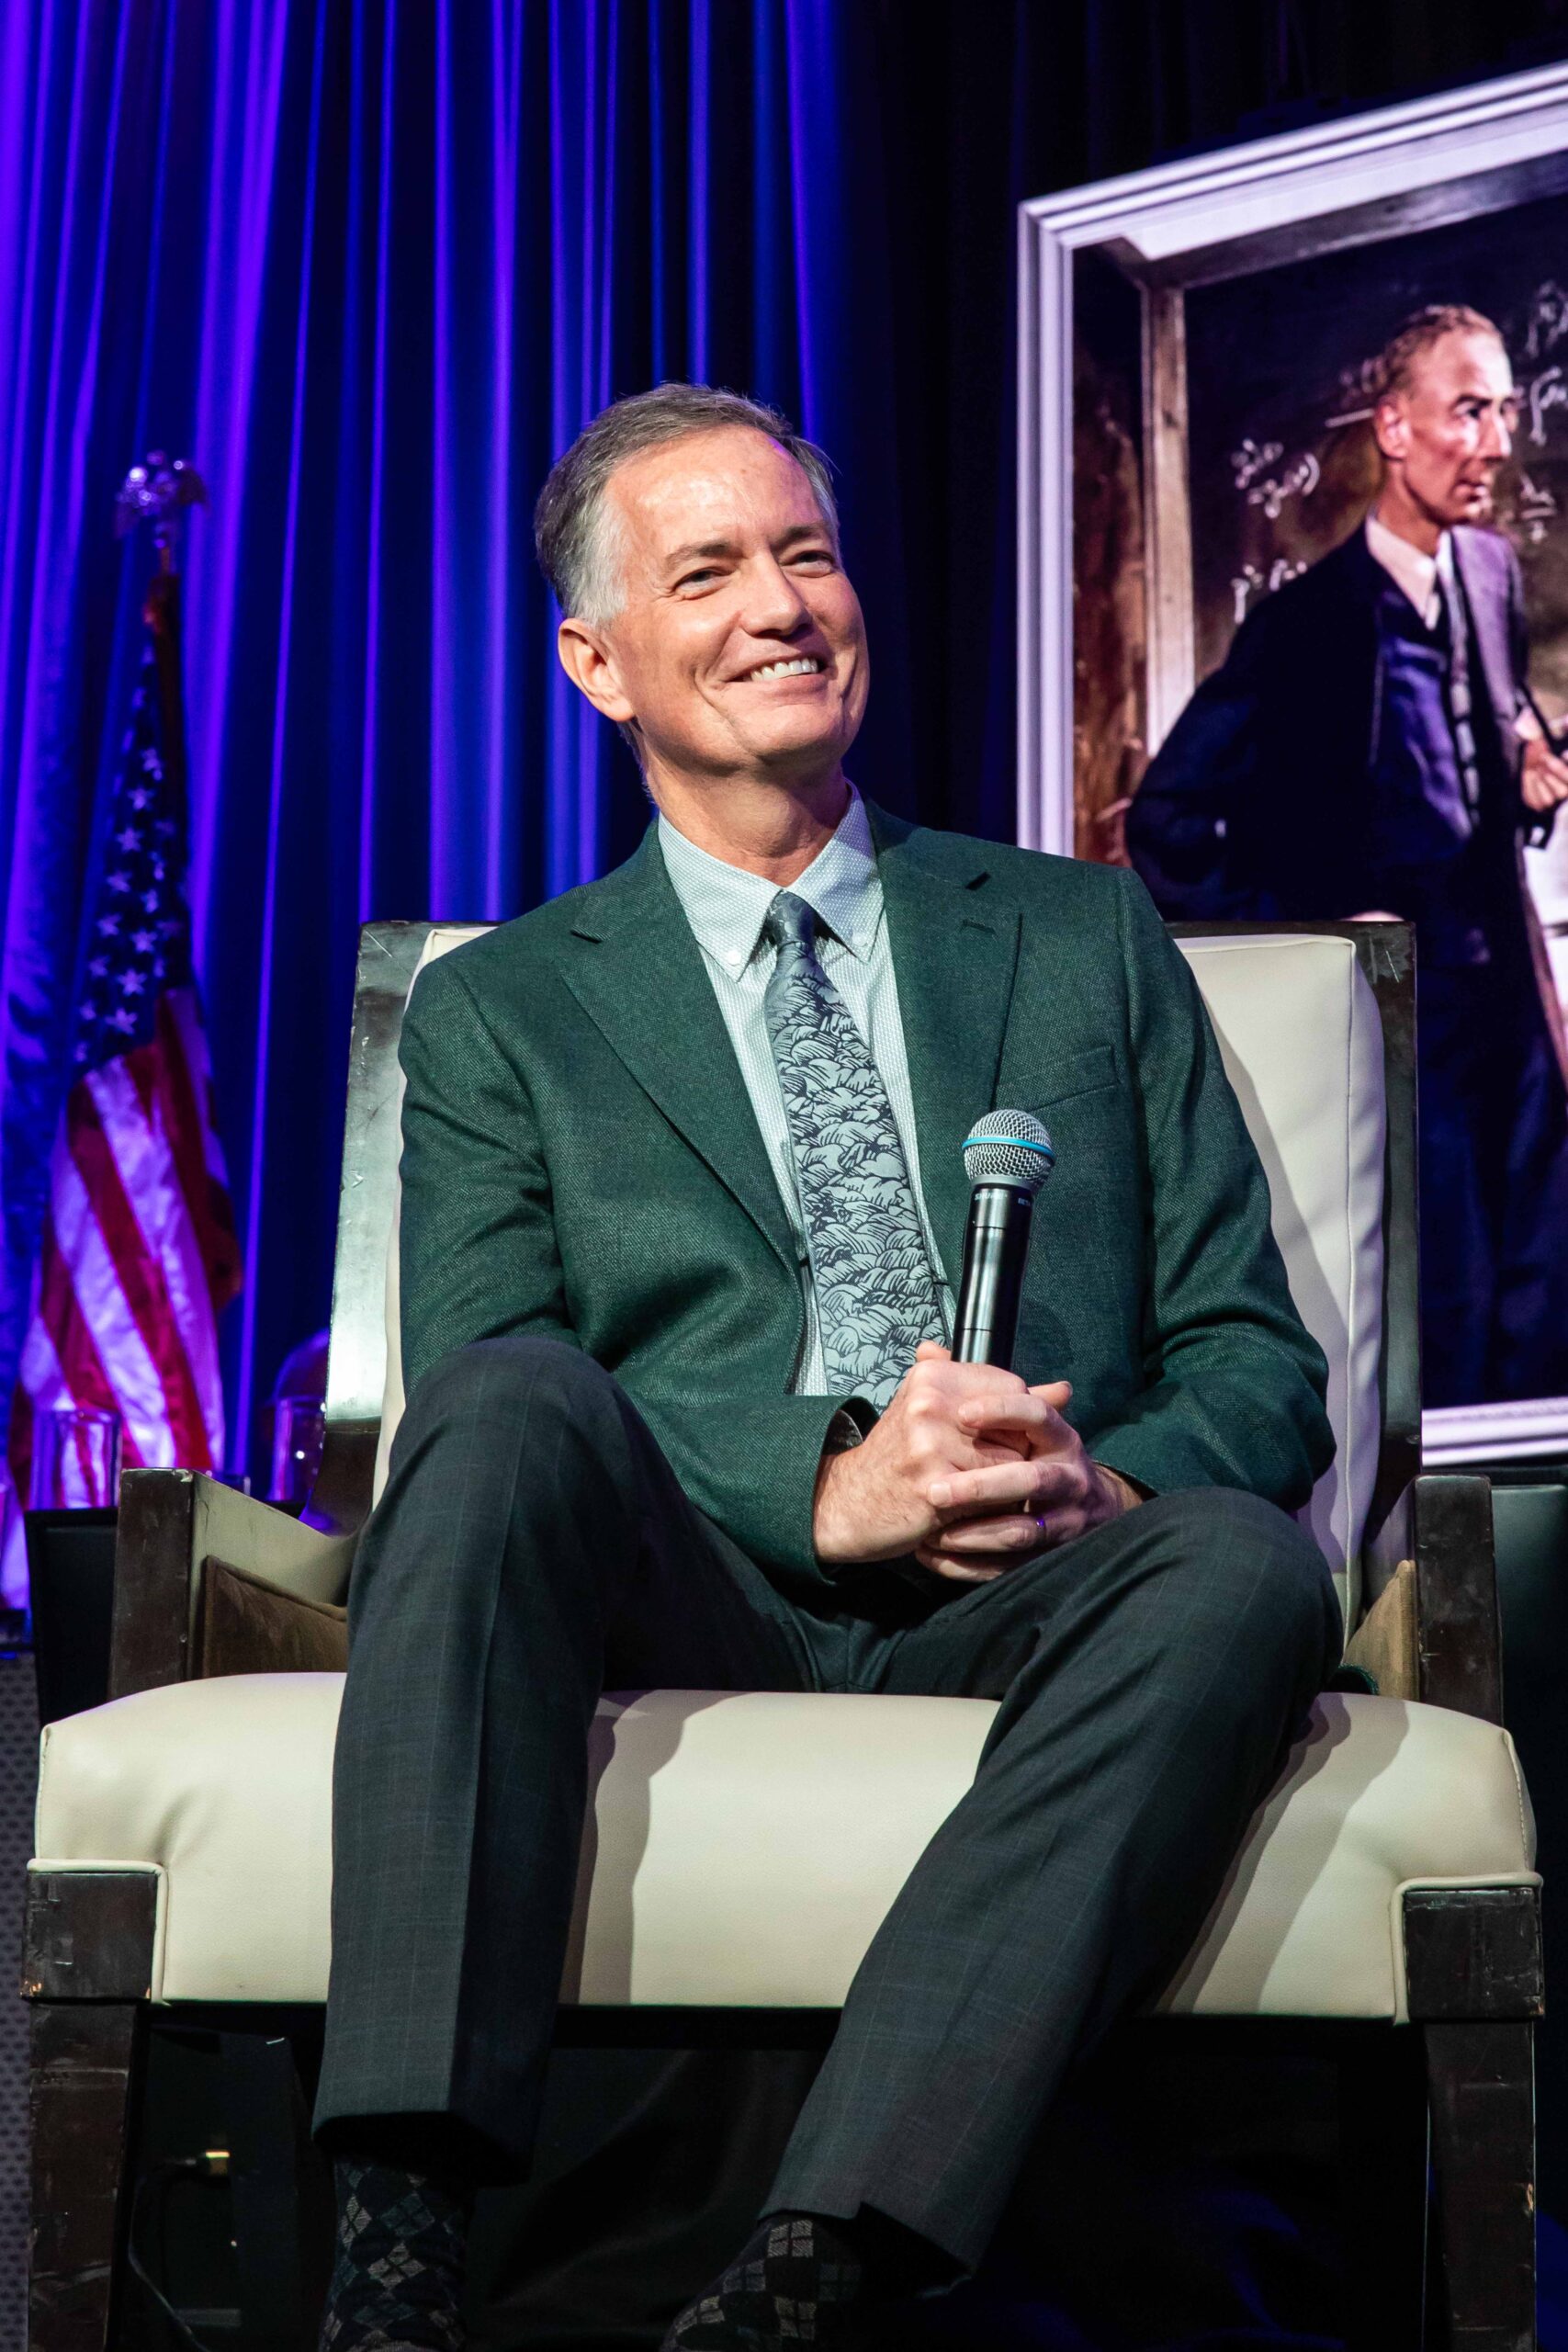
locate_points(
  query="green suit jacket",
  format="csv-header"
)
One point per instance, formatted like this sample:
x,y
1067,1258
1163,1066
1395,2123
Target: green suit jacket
x,y
581,1161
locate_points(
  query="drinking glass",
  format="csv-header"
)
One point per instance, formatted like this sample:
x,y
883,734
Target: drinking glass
x,y
13,1545
76,1458
298,1429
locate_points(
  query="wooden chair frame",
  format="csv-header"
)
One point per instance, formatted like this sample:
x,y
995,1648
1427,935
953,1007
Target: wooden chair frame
x,y
1429,1630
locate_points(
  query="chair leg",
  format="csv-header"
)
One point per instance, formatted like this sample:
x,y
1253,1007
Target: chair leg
x,y
82,2071
1383,2170
281,2188
1480,2084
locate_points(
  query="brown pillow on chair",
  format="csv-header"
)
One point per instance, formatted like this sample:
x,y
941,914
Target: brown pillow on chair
x,y
245,1625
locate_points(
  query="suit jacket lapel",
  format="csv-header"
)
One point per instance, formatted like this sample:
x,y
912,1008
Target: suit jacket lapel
x,y
954,955
639,975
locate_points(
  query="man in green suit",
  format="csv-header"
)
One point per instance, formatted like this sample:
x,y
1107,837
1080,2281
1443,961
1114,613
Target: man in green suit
x,y
682,1222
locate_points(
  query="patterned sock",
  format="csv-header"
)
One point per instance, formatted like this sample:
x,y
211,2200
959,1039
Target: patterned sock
x,y
397,2281
798,2280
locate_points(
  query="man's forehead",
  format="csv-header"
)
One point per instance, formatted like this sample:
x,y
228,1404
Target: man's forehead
x,y
1465,361
707,484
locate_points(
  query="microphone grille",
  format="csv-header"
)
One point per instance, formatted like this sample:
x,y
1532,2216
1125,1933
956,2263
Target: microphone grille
x,y
1008,1148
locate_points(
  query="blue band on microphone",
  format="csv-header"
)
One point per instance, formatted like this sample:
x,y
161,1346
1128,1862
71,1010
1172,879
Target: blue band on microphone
x,y
1020,1143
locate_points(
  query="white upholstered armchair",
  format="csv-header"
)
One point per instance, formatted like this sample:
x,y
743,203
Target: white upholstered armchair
x,y
184,1851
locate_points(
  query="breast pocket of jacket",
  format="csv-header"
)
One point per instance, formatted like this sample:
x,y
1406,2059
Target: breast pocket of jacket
x,y
1067,1077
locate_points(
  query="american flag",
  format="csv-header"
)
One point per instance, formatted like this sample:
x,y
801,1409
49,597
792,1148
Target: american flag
x,y
138,1254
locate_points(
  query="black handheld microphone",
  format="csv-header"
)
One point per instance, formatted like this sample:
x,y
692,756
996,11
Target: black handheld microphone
x,y
1008,1156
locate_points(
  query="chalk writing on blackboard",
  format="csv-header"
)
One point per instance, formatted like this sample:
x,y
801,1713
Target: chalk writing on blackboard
x,y
1251,465
1534,508
1542,393
1546,319
1357,392
1252,581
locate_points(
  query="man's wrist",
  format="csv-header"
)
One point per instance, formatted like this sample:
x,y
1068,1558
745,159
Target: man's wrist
x,y
827,1533
848,1429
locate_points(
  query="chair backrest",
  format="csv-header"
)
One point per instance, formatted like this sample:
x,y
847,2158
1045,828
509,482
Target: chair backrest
x,y
1299,1031
1312,1024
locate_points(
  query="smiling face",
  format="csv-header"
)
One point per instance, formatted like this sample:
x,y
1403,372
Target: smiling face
x,y
1444,435
739,648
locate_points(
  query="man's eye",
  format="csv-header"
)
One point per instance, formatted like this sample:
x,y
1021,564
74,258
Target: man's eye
x,y
813,555
696,578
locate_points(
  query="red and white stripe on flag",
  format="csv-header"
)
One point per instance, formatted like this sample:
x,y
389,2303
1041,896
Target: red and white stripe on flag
x,y
138,1256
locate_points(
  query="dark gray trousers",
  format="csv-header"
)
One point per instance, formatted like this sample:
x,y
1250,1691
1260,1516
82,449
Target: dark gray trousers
x,y
533,1549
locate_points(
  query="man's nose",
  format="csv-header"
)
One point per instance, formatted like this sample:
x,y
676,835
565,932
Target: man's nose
x,y
1497,441
775,606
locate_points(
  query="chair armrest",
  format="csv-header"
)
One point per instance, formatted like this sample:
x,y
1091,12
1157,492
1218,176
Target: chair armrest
x,y
171,1523
1443,1525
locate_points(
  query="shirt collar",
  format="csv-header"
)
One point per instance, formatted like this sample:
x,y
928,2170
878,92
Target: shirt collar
x,y
726,906
1411,569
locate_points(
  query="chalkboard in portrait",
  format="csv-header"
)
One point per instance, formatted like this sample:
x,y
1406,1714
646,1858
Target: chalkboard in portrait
x,y
1282,461
1283,466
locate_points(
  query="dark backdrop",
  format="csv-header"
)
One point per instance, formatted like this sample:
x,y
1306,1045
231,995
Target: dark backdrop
x,y
370,264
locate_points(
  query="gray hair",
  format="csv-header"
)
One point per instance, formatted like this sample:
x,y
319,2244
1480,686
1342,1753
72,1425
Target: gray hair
x,y
573,531
1396,364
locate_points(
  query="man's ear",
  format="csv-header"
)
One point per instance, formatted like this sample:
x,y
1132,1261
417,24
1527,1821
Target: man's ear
x,y
1390,426
588,661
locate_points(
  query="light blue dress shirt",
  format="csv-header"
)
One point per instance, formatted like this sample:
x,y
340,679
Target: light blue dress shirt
x,y
725,907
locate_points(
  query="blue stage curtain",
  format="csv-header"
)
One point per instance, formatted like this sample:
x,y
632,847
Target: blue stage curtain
x,y
369,265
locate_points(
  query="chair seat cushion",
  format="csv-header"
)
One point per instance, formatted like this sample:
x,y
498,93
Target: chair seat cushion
x,y
224,1788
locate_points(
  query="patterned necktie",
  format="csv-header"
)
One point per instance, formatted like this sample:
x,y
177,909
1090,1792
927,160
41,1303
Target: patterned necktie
x,y
877,1297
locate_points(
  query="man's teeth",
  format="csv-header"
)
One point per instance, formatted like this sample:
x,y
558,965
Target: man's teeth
x,y
804,665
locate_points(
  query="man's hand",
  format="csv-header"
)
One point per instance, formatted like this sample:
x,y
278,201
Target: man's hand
x,y
1543,780
969,1469
1051,1491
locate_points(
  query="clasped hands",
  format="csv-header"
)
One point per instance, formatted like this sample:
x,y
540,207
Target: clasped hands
x,y
970,1469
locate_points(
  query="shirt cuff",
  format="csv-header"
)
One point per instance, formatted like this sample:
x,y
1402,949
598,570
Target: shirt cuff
x,y
1132,1492
846,1429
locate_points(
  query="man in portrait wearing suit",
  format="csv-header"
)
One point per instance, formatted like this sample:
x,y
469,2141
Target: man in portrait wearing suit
x,y
1370,748
683,1208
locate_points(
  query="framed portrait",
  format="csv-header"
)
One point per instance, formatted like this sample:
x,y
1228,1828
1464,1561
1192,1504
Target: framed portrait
x,y
1204,351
